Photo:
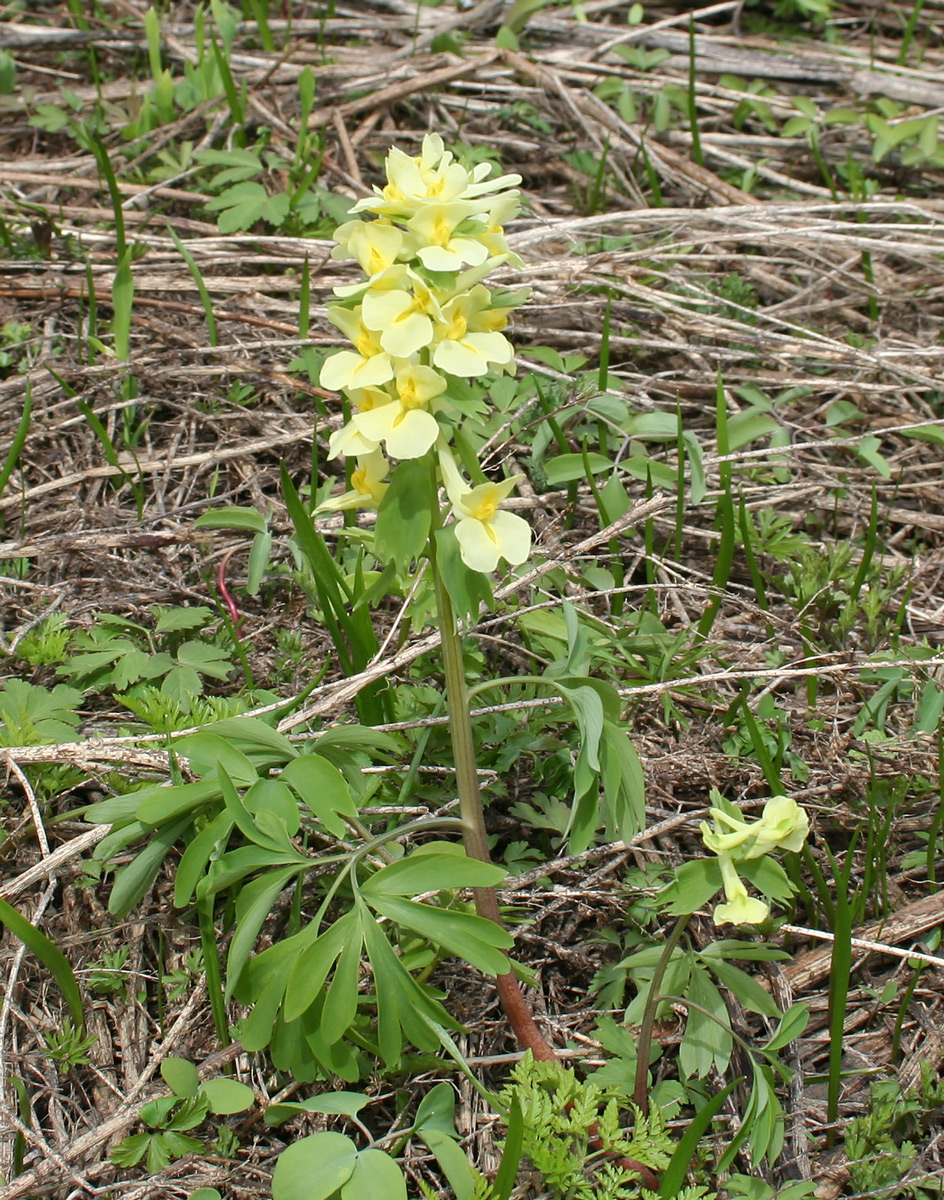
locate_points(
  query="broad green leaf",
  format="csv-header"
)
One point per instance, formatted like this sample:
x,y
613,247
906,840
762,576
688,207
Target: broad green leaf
x,y
477,940
348,1104
255,737
653,426
340,1006
695,883
155,806
323,788
868,451
375,1175
245,821
176,619
50,956
234,517
227,1096
747,427
661,474
768,876
208,752
568,468
926,433
437,1110
453,1161
405,514
253,906
306,975
430,873
273,798
133,881
259,555
747,989
314,1167
181,1076
706,1042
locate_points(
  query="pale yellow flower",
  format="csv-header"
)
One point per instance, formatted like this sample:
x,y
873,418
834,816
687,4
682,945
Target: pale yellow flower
x,y
367,485
484,532
740,909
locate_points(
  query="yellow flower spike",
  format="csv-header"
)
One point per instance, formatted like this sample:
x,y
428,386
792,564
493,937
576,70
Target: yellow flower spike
x,y
367,485
405,426
467,342
484,532
740,909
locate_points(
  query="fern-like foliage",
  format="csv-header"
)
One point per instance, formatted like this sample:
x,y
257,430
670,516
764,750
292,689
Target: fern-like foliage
x,y
576,1133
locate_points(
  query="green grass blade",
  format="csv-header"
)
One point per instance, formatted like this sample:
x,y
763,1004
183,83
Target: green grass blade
x,y
673,1177
839,976
122,296
19,439
50,956
98,148
201,286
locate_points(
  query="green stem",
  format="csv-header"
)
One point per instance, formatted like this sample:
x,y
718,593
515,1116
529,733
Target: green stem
x,y
644,1045
474,835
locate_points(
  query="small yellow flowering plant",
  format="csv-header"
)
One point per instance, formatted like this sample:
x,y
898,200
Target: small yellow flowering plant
x,y
422,324
740,848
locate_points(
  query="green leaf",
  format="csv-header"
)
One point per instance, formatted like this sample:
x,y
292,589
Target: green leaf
x,y
195,858
747,427
207,660
926,433
311,968
507,1175
340,1006
792,1024
228,1096
375,1174
233,517
477,940
405,514
181,1076
134,881
175,619
347,1104
747,989
242,205
429,873
254,737
868,451
314,1167
706,1042
325,791
568,468
130,1150
253,906
210,753
50,956
674,1176
695,883
452,1159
